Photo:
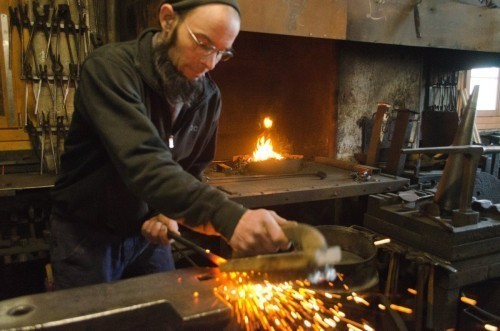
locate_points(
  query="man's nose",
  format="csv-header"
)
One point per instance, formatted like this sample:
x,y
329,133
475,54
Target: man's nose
x,y
211,61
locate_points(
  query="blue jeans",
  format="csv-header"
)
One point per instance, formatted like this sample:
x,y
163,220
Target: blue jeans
x,y
82,255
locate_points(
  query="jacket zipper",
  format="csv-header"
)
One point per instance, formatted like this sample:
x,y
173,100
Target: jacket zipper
x,y
171,141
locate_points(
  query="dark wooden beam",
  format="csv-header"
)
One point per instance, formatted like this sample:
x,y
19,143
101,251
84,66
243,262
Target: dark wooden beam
x,y
440,23
305,18
464,25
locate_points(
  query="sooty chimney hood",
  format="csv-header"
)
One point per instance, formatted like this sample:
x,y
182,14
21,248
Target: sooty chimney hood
x,y
453,24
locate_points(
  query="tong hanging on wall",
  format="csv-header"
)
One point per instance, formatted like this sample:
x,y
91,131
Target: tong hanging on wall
x,y
443,93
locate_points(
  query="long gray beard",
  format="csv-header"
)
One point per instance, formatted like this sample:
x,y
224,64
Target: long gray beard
x,y
177,88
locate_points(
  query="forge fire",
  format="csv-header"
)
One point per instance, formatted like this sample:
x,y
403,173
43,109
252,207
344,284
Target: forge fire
x,y
264,149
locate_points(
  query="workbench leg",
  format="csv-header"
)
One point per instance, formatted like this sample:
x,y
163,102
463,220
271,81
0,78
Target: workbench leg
x,y
445,308
422,278
391,285
495,165
337,217
430,297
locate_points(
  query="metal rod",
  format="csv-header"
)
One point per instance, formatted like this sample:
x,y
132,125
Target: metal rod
x,y
319,174
215,259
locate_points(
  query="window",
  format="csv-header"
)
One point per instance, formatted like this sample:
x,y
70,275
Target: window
x,y
488,103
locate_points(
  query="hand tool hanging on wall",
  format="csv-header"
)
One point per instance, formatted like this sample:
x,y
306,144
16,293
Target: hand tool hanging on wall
x,y
96,37
42,142
443,93
58,85
83,31
47,129
69,29
72,81
28,80
42,77
25,24
57,67
30,48
15,22
39,25
47,28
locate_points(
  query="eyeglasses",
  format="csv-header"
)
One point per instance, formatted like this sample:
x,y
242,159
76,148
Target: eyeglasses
x,y
221,54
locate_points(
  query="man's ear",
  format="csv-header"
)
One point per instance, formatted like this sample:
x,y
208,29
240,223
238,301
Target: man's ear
x,y
166,16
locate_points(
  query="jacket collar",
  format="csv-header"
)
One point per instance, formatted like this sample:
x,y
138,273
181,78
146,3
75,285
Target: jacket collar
x,y
144,59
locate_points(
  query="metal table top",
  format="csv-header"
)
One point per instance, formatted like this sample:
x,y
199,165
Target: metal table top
x,y
302,186
11,183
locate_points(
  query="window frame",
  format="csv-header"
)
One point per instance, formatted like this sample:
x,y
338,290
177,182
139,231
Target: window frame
x,y
486,113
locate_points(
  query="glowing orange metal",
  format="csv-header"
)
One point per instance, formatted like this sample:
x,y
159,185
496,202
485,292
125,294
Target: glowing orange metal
x,y
468,301
401,309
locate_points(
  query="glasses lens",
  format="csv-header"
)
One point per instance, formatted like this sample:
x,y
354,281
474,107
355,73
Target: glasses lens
x,y
208,50
226,55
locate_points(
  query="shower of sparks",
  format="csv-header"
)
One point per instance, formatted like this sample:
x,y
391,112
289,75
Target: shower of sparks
x,y
293,305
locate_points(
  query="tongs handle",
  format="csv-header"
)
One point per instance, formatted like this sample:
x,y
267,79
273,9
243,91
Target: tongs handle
x,y
215,259
304,237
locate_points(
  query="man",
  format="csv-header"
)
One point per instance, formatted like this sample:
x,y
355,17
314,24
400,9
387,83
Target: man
x,y
143,130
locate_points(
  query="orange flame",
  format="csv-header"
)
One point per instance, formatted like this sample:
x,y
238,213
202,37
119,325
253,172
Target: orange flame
x,y
264,149
268,123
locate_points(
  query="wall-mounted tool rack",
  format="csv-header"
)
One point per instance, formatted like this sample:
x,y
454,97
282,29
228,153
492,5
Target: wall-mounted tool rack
x,y
51,39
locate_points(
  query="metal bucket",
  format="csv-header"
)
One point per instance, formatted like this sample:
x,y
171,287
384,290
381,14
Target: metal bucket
x,y
357,268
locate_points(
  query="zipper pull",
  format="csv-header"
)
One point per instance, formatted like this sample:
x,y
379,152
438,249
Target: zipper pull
x,y
171,141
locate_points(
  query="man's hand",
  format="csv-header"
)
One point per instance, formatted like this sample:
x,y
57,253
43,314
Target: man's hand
x,y
258,231
156,229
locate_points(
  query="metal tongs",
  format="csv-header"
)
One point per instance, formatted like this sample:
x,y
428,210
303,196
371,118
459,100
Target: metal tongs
x,y
214,258
311,258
